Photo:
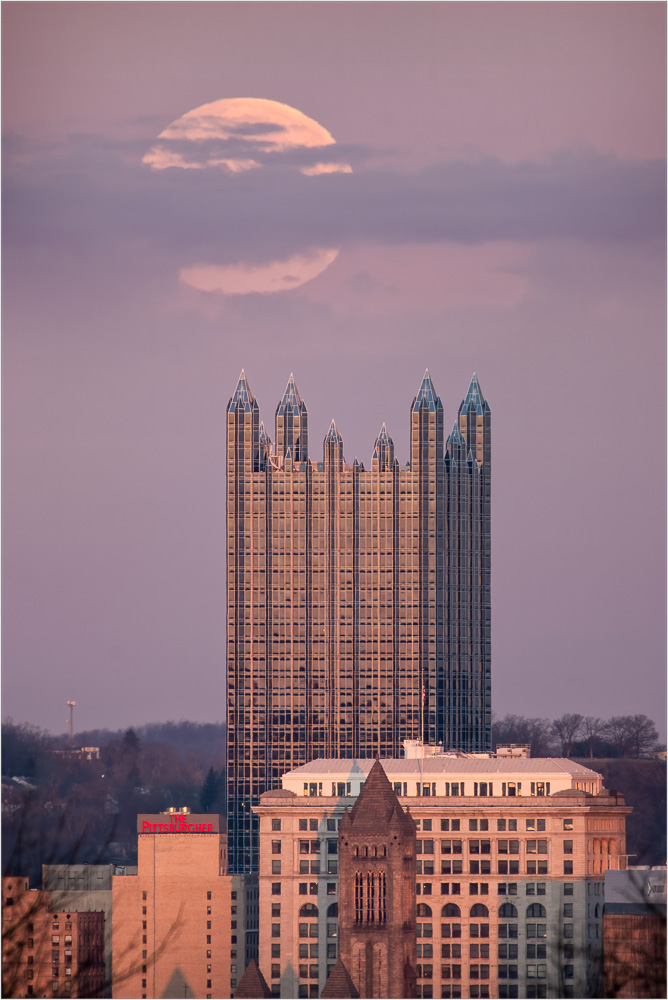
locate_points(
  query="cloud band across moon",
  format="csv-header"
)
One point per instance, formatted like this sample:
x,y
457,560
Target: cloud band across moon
x,y
88,190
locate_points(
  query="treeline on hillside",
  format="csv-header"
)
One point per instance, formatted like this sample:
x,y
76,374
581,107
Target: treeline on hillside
x,y
62,808
59,808
574,735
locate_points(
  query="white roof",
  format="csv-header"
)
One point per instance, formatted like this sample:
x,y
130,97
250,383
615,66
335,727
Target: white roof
x,y
445,766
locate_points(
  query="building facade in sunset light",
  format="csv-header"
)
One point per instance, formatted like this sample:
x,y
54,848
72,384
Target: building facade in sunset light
x,y
505,875
358,601
175,920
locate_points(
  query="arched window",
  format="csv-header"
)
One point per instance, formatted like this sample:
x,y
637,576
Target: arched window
x,y
479,910
508,910
382,897
536,910
450,910
333,910
309,910
359,897
423,910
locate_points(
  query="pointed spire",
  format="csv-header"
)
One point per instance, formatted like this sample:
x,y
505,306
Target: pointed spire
x,y
292,423
383,437
474,398
456,434
332,436
377,805
291,401
426,396
242,399
252,984
263,434
339,984
383,451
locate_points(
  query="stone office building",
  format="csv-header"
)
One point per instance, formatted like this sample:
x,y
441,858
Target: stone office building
x,y
510,862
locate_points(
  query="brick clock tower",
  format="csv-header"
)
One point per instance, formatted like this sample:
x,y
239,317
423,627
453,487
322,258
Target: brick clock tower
x,y
377,932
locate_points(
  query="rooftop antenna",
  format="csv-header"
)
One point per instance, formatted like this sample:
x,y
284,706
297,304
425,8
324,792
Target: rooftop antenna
x,y
70,721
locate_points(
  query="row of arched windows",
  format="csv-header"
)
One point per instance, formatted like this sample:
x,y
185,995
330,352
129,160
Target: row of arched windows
x,y
310,911
371,852
370,897
480,910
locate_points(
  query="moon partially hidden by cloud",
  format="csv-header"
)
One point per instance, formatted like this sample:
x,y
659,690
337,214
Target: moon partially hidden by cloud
x,y
211,137
240,279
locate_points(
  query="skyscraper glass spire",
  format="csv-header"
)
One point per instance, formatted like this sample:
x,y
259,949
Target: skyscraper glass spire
x,y
358,609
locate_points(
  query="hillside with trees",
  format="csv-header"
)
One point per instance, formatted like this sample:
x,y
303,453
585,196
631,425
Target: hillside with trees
x,y
59,807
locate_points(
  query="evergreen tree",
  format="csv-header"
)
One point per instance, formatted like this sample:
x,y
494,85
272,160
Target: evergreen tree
x,y
209,793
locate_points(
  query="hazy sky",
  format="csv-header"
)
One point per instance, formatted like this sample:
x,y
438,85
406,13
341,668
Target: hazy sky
x,y
504,214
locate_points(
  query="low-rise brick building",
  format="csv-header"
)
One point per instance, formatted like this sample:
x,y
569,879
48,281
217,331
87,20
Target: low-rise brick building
x,y
48,952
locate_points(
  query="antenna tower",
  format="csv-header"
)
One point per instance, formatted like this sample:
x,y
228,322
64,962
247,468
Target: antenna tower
x,y
70,721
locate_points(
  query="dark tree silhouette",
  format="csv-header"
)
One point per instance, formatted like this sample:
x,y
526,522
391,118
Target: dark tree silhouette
x,y
632,735
210,792
566,730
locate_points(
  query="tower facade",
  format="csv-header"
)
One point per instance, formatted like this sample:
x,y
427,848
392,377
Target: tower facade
x,y
377,867
358,607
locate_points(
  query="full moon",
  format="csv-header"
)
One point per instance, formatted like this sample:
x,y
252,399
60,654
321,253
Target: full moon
x,y
205,137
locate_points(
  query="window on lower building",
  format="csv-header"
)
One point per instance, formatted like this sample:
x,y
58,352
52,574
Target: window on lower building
x,y
451,951
451,930
451,972
508,991
507,951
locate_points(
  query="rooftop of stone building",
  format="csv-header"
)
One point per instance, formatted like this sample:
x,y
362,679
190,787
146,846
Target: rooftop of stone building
x,y
436,774
443,764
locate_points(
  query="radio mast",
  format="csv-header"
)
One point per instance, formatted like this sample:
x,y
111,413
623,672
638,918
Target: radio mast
x,y
70,721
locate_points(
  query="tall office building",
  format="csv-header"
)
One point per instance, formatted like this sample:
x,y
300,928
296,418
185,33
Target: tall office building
x,y
358,607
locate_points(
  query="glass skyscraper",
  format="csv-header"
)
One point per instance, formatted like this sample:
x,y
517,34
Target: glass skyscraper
x,y
358,608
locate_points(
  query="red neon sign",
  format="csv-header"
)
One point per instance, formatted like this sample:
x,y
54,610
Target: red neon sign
x,y
177,823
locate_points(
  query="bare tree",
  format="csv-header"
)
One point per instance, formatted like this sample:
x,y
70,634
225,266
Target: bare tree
x,y
593,730
519,729
632,735
566,730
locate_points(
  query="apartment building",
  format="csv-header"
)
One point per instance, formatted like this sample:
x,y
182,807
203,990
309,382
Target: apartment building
x,y
46,951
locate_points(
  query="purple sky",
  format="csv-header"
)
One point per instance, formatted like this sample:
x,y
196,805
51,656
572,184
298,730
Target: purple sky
x,y
505,214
